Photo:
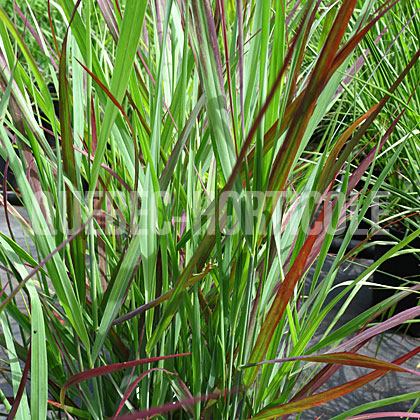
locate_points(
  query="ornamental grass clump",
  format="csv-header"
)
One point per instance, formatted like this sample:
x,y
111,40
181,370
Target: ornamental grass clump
x,y
173,220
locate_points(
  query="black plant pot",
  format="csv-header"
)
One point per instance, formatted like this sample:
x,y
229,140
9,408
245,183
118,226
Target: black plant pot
x,y
402,270
362,232
398,271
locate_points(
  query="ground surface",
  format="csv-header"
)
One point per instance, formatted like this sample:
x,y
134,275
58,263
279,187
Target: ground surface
x,y
5,387
388,347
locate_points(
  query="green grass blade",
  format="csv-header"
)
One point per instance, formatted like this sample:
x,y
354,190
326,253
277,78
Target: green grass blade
x,y
126,49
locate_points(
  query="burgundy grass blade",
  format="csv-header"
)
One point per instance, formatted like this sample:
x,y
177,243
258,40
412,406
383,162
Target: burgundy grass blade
x,y
104,370
34,33
221,7
52,29
319,379
241,63
341,56
306,105
344,359
106,168
74,216
133,386
355,40
331,394
354,179
21,388
214,45
109,18
169,407
110,96
138,311
281,301
392,322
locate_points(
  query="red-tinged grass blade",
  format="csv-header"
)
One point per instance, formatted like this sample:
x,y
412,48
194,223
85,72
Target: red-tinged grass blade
x,y
169,407
296,74
221,5
94,140
130,34
181,390
345,359
139,114
105,167
386,414
392,322
211,77
52,29
244,156
118,8
104,370
327,175
353,181
280,302
214,45
322,397
110,96
367,161
109,18
362,130
270,136
352,43
319,379
193,279
121,109
133,386
7,282
291,109
286,155
72,410
74,216
22,387
336,162
35,34
239,14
